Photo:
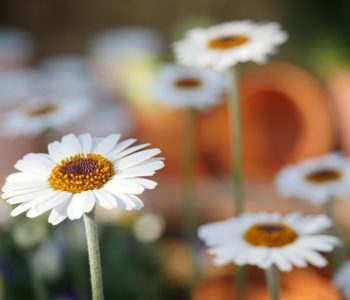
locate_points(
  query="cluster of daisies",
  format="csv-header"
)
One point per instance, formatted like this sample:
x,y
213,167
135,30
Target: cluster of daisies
x,y
259,239
80,172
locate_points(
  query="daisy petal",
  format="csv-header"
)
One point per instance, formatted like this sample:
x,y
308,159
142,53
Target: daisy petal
x,y
107,144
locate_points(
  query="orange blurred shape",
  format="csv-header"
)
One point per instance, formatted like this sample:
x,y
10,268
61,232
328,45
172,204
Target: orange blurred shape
x,y
286,117
299,284
163,128
14,149
338,85
176,260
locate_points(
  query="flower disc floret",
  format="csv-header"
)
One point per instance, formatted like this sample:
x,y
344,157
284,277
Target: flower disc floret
x,y
227,42
43,110
324,176
81,172
187,83
270,235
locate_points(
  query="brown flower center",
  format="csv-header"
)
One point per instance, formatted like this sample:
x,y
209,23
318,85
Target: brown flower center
x,y
43,110
187,83
227,42
81,172
323,176
270,235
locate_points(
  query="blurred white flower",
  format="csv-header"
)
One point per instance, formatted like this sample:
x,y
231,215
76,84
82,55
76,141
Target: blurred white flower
x,y
225,45
104,118
16,48
47,261
80,172
28,234
148,227
124,42
316,180
37,115
342,279
264,239
17,85
67,75
124,56
188,87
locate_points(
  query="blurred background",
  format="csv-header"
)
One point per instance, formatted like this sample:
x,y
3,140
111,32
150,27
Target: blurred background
x,y
108,52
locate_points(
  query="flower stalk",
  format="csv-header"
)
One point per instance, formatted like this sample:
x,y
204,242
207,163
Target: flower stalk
x,y
272,282
188,197
94,255
338,254
236,159
236,141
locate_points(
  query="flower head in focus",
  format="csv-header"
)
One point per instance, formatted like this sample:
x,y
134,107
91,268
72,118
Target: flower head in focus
x,y
80,172
225,45
188,87
37,115
316,180
263,240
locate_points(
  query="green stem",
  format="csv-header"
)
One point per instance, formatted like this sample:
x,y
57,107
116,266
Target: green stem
x,y
236,159
240,283
36,281
272,282
236,142
188,175
94,256
338,254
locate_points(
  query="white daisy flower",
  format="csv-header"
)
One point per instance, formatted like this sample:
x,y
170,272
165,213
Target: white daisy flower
x,y
37,115
225,45
316,180
263,240
80,172
188,87
342,279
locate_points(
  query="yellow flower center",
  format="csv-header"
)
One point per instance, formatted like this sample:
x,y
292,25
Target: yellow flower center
x,y
43,110
227,42
81,172
187,83
323,176
270,235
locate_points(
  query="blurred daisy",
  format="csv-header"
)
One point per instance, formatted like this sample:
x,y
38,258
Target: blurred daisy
x,y
16,47
16,85
121,59
342,279
124,42
79,172
106,117
263,240
225,45
188,87
37,115
316,180
67,75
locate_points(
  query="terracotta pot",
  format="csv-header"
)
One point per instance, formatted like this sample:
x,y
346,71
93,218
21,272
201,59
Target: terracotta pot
x,y
285,117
